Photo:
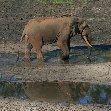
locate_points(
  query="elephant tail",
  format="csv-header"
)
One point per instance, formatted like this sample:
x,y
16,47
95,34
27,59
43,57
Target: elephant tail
x,y
24,36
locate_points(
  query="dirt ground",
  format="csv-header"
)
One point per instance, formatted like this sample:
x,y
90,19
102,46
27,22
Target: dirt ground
x,y
21,105
15,14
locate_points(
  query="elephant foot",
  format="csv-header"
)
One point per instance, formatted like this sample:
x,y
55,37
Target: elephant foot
x,y
64,62
65,58
27,59
41,63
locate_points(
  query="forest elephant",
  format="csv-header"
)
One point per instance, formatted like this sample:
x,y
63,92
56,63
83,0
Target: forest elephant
x,y
45,30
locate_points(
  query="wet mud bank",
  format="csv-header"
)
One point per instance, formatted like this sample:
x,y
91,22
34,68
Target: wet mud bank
x,y
55,85
85,64
83,83
92,73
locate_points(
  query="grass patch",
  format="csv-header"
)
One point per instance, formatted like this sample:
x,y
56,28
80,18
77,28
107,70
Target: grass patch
x,y
56,1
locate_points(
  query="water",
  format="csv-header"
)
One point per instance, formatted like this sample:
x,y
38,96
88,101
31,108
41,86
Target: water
x,y
79,92
78,55
83,55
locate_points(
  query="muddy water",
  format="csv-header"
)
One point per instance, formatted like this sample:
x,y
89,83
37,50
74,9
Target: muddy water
x,y
79,93
82,55
78,55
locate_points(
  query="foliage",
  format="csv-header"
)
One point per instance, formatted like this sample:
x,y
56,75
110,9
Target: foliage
x,y
56,1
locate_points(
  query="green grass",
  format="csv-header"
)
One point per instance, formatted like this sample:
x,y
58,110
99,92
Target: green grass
x,y
56,1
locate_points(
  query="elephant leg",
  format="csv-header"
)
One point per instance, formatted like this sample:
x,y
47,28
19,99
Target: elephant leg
x,y
64,46
38,47
39,54
28,48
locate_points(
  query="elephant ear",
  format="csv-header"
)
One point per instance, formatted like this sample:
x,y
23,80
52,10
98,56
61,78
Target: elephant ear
x,y
81,24
76,30
78,25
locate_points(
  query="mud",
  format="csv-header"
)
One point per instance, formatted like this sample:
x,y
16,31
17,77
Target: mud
x,y
21,105
86,66
95,12
78,55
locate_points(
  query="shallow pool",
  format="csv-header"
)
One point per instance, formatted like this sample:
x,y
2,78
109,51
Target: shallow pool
x,y
74,92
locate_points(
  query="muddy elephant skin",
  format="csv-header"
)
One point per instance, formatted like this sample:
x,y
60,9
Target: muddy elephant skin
x,y
44,30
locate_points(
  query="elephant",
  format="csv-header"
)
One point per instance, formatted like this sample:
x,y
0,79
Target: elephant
x,y
45,30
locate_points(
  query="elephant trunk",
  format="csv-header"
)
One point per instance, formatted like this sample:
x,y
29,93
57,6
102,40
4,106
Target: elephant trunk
x,y
87,42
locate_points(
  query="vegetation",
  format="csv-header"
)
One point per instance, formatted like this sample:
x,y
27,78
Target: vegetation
x,y
57,1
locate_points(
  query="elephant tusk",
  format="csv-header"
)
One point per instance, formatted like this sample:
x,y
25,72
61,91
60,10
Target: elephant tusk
x,y
87,42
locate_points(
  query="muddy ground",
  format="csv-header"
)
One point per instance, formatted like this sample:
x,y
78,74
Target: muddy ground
x,y
21,105
14,15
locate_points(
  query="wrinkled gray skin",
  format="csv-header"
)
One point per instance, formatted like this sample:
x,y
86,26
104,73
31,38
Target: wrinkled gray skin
x,y
40,31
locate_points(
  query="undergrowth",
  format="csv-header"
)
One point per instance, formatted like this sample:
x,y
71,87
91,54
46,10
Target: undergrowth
x,y
56,1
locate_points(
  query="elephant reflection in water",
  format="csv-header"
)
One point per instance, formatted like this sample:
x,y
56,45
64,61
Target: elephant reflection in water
x,y
53,91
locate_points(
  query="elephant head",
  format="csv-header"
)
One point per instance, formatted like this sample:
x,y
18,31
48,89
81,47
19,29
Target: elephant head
x,y
82,28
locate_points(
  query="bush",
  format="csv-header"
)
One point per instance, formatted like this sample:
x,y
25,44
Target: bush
x,y
57,1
